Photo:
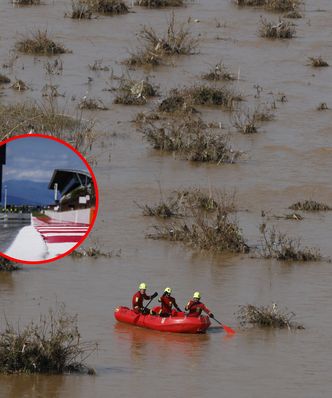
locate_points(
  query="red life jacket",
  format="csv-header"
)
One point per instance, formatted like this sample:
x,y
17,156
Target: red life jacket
x,y
166,304
195,308
137,301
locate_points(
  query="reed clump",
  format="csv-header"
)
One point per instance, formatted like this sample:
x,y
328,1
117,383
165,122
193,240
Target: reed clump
x,y
267,317
218,72
160,3
52,345
79,10
275,244
216,234
40,43
176,41
46,119
276,30
318,62
7,265
191,139
135,92
310,205
4,79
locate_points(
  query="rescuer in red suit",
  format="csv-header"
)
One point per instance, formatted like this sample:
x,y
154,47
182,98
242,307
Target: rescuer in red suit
x,y
195,307
138,298
167,302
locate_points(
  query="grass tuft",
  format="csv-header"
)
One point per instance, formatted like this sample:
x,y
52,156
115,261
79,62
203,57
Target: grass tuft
x,y
276,30
40,43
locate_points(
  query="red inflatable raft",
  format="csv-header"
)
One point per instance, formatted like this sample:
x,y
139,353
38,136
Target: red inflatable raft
x,y
177,323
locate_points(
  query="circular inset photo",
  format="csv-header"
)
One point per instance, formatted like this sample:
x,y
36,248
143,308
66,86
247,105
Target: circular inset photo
x,y
49,198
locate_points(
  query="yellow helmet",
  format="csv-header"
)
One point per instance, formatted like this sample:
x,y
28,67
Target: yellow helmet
x,y
168,290
142,286
197,295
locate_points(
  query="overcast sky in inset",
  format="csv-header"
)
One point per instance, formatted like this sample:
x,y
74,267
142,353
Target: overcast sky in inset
x,y
35,158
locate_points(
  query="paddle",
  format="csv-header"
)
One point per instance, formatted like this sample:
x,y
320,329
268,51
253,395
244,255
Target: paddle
x,y
148,303
227,329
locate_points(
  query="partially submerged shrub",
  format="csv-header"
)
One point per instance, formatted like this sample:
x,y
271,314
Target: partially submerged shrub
x,y
164,209
79,10
98,66
218,72
19,85
272,30
4,79
191,140
176,41
322,106
26,2
53,345
247,122
111,7
91,252
218,234
318,62
51,91
92,104
266,317
275,244
40,43
7,265
159,3
310,205
22,118
273,5
134,92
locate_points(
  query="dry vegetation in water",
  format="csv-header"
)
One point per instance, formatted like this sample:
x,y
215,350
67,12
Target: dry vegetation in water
x,y
46,119
53,345
289,6
266,317
179,100
110,7
215,233
39,43
275,244
322,106
310,205
92,104
79,10
176,41
191,139
218,72
248,122
134,92
276,30
317,62
19,85
26,2
4,79
7,265
181,202
159,3
91,251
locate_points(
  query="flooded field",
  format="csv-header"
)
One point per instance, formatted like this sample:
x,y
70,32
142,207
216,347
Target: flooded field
x,y
287,161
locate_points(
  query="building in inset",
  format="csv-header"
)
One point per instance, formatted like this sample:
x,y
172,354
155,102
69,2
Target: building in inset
x,y
2,162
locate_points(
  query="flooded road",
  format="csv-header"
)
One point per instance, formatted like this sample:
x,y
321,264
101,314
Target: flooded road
x,y
288,160
9,230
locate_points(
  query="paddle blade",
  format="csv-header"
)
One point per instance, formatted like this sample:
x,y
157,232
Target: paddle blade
x,y
228,330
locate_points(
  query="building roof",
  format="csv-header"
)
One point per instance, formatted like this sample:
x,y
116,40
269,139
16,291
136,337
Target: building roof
x,y
68,179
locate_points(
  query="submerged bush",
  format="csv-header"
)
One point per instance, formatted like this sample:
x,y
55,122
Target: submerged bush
x,y
216,234
4,79
111,7
318,62
176,41
134,92
26,2
218,72
7,265
273,30
40,43
266,317
273,5
91,252
310,205
275,244
191,140
79,10
53,345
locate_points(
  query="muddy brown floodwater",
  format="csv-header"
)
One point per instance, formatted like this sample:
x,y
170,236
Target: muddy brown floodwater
x,y
290,159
